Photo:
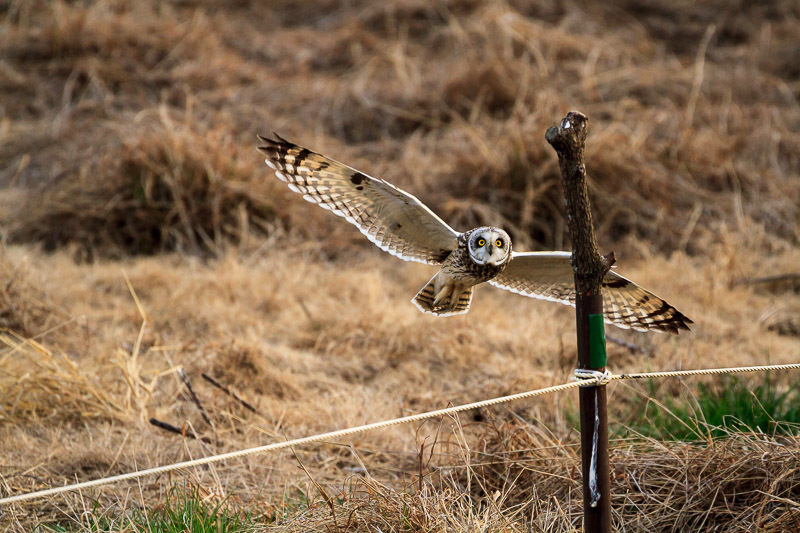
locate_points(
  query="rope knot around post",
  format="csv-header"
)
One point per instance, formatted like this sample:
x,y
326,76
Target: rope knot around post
x,y
601,378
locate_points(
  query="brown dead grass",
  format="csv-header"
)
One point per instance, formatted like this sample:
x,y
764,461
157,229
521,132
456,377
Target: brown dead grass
x,y
693,131
520,478
127,136
745,482
166,187
285,346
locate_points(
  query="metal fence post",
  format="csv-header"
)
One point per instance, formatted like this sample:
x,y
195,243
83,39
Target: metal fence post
x,y
590,267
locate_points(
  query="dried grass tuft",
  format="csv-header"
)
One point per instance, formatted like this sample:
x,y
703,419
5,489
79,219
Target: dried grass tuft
x,y
743,482
167,187
40,383
24,307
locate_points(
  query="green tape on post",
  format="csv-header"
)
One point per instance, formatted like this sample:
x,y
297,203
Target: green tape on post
x,y
597,342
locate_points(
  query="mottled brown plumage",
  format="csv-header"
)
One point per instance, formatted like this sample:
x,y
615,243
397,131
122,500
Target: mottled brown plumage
x,y
400,224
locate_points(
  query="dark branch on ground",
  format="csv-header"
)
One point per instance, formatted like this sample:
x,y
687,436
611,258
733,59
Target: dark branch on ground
x,y
229,392
194,397
183,431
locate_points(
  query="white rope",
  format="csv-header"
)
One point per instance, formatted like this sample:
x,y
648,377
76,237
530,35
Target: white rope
x,y
586,375
706,371
591,378
600,378
280,445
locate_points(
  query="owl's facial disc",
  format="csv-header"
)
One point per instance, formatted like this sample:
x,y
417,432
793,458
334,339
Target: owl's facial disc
x,y
489,246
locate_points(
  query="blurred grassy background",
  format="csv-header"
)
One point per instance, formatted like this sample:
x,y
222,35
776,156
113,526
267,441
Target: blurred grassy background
x,y
142,233
135,121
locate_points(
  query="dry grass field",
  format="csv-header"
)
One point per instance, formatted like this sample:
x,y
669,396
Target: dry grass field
x,y
142,234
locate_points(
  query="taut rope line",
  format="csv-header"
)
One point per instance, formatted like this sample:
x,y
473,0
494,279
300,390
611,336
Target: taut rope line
x,y
599,378
287,444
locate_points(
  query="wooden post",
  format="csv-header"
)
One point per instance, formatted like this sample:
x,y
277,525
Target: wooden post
x,y
589,267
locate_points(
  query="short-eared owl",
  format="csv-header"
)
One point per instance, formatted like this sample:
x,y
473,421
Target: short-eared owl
x,y
400,224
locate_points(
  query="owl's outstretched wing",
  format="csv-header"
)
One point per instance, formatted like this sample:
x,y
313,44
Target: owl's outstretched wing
x,y
549,276
394,220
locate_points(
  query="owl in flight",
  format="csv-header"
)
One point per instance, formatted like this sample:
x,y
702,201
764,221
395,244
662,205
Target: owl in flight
x,y
400,224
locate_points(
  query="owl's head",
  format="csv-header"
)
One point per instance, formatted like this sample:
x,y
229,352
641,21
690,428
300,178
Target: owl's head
x,y
489,246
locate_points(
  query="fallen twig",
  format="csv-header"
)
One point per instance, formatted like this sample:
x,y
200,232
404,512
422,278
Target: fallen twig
x,y
229,392
178,430
194,397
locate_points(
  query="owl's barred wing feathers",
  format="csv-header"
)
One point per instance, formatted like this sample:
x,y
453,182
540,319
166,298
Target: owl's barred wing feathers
x,y
394,220
549,276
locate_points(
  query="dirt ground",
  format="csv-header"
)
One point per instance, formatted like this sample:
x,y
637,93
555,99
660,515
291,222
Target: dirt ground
x,y
143,235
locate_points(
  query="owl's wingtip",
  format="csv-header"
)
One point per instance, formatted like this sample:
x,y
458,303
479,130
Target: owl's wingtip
x,y
266,143
679,322
272,139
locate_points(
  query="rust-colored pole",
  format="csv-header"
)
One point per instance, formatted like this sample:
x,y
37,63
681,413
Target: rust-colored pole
x,y
590,267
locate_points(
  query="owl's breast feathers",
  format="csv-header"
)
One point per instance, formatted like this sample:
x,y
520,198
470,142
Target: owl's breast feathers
x,y
460,265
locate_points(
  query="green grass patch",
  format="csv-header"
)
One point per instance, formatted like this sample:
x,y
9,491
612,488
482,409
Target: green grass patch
x,y
182,511
729,405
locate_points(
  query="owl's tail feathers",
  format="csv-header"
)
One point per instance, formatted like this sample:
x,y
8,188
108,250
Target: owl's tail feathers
x,y
450,300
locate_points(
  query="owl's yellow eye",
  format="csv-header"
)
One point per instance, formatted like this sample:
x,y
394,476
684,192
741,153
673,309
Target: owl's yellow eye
x,y
481,242
499,243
